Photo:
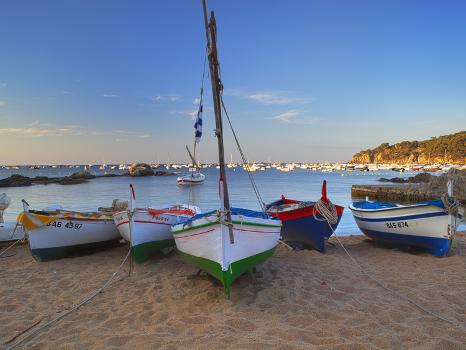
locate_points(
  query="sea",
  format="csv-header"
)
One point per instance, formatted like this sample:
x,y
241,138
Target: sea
x,y
300,184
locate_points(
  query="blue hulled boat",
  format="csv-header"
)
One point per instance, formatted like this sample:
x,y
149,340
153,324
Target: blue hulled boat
x,y
302,223
427,225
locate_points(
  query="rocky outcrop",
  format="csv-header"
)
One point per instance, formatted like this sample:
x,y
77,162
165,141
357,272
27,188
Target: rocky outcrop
x,y
83,174
17,180
140,169
447,149
419,178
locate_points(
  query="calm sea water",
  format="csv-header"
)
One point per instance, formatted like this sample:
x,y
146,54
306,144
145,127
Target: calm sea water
x,y
299,184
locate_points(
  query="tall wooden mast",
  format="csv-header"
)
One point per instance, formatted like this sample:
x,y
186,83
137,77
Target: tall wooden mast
x,y
211,36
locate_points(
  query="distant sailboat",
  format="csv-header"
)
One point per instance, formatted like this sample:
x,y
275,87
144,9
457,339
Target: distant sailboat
x,y
229,241
195,177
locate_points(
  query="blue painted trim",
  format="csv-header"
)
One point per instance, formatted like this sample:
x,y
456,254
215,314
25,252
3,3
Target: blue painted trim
x,y
402,218
434,245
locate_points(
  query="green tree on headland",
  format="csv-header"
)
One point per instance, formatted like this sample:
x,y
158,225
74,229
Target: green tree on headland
x,y
447,149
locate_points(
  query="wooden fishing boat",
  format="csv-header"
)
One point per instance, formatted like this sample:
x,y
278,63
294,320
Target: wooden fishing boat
x,y
230,241
149,229
302,222
204,242
426,225
55,233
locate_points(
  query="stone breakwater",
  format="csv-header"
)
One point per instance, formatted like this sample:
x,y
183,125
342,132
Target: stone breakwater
x,y
431,187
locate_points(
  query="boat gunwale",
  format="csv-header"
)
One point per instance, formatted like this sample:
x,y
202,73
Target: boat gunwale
x,y
353,208
242,223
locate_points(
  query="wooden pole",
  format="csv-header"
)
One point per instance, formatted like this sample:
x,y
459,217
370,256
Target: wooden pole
x,y
211,36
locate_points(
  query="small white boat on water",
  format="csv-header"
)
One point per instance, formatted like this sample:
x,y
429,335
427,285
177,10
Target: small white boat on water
x,y
426,225
54,233
193,178
149,229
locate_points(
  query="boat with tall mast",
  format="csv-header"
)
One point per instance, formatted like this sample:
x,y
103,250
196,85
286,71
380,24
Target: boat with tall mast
x,y
226,242
195,177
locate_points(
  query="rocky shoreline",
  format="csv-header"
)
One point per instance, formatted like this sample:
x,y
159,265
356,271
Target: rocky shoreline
x,y
138,169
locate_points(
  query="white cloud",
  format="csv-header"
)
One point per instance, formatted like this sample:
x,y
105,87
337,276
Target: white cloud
x,y
191,114
109,95
37,129
2,103
288,117
270,97
38,132
167,97
196,101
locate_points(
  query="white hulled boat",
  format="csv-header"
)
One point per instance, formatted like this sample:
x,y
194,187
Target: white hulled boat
x,y
149,229
54,233
429,225
9,231
230,241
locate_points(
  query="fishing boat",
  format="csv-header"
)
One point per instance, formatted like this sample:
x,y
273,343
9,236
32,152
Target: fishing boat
x,y
149,229
303,223
229,241
9,231
54,233
429,226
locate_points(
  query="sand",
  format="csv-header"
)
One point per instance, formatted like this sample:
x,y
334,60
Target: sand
x,y
298,300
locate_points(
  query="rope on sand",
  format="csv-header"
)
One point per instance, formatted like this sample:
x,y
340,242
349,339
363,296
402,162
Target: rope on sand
x,y
65,313
22,240
329,214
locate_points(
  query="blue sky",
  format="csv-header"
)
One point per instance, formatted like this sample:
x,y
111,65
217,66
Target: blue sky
x,y
116,81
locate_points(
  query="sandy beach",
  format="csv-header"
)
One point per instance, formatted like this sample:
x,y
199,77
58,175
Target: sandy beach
x,y
299,299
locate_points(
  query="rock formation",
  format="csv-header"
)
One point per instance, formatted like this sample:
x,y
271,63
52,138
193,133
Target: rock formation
x,y
447,149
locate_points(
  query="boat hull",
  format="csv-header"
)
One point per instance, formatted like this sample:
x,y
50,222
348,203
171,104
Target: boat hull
x,y
63,237
191,179
6,232
305,225
149,233
426,227
311,232
205,243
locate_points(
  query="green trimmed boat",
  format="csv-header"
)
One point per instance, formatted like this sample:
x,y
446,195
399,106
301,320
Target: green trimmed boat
x,y
230,241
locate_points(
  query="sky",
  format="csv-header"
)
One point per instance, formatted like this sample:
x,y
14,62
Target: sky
x,y
113,81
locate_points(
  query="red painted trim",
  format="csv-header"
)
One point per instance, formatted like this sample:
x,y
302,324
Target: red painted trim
x,y
195,234
122,223
152,222
239,229
143,222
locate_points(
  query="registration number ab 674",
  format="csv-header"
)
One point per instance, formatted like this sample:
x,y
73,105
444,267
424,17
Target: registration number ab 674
x,y
397,224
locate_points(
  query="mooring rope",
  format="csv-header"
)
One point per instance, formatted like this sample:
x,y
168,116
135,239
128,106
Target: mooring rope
x,y
451,204
35,331
22,240
330,218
